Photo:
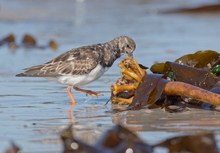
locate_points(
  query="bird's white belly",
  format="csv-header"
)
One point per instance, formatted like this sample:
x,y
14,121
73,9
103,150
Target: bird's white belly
x,y
79,80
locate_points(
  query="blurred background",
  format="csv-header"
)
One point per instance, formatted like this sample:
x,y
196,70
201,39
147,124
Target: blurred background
x,y
33,111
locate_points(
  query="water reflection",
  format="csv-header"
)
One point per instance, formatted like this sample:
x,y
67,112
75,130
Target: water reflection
x,y
159,120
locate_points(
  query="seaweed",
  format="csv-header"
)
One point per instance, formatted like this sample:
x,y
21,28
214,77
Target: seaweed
x,y
200,143
116,140
13,148
149,91
201,59
119,139
28,41
191,80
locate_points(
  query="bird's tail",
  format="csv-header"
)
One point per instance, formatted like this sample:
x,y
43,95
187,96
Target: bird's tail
x,y
34,71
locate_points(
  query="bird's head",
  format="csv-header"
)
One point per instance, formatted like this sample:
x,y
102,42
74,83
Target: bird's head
x,y
126,45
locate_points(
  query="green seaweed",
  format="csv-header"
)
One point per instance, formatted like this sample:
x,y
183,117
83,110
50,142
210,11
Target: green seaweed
x,y
216,70
207,59
200,59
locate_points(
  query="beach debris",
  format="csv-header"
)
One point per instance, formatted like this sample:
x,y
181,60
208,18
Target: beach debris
x,y
116,140
8,39
170,83
209,8
13,149
200,59
28,41
198,143
53,45
124,88
119,139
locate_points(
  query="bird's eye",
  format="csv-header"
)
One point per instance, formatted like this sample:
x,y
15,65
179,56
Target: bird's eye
x,y
128,46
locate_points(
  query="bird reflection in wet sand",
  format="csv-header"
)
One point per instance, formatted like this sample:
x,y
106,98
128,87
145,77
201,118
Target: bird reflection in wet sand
x,y
82,65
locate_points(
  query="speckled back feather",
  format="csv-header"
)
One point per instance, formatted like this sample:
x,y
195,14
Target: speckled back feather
x,y
81,60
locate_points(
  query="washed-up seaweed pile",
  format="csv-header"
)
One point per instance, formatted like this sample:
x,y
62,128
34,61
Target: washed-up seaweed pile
x,y
121,140
28,41
192,80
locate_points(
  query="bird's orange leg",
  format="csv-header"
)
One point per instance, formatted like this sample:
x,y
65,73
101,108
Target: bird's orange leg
x,y
90,92
70,95
73,103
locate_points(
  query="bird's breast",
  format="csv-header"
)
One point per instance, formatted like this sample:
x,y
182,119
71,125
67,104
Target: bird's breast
x,y
79,80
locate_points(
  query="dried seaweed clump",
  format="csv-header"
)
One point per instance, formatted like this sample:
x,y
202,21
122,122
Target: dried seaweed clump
x,y
124,88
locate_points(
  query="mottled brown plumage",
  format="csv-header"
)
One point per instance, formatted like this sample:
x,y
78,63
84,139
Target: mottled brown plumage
x,y
82,60
82,65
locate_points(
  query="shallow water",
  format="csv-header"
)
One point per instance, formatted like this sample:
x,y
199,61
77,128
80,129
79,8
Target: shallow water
x,y
34,111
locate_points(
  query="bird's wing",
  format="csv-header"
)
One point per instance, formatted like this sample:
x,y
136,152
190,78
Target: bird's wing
x,y
74,62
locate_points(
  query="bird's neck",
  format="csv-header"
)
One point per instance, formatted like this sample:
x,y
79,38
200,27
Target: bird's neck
x,y
111,53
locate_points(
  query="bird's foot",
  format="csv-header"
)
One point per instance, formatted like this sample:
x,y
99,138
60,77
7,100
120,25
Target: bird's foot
x,y
89,92
93,94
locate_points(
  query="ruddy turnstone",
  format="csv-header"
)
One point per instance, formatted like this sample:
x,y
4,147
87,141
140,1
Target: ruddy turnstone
x,y
82,65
